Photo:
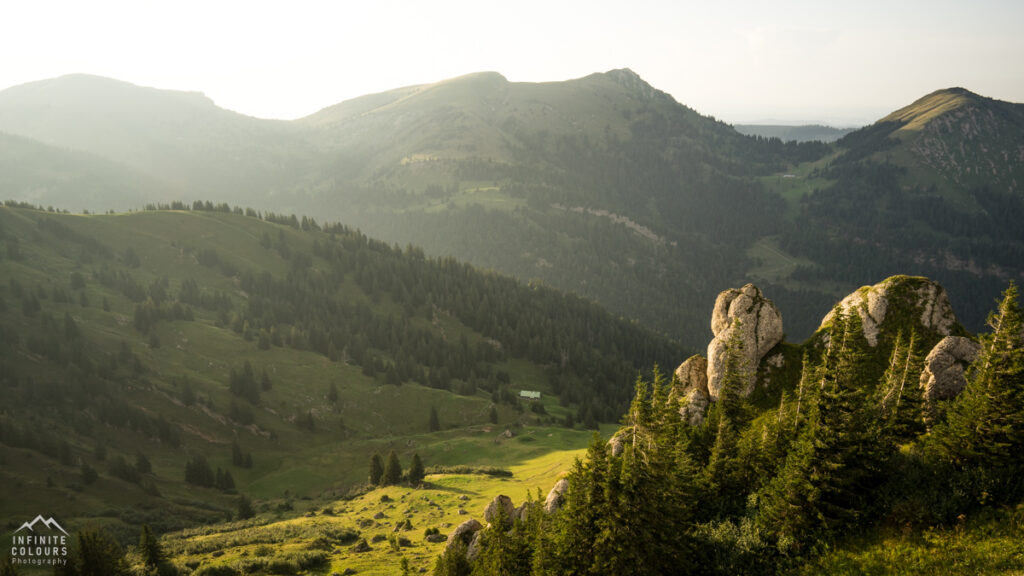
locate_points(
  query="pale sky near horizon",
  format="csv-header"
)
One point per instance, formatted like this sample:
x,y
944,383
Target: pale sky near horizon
x,y
844,63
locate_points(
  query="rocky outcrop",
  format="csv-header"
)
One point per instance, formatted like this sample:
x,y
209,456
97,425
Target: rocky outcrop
x,y
556,496
500,503
919,299
464,532
943,374
693,396
615,445
760,325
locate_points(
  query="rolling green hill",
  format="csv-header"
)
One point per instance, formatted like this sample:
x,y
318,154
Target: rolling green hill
x,y
282,353
603,185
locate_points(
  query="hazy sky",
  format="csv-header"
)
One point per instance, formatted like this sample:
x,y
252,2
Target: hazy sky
x,y
840,62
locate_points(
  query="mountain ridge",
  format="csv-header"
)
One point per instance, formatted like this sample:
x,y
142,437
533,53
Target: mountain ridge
x,y
476,167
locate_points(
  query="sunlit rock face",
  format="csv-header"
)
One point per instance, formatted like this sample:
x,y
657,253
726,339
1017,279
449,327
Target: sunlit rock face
x,y
760,326
919,299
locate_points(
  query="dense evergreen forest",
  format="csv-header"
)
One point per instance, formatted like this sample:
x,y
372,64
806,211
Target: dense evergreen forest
x,y
852,446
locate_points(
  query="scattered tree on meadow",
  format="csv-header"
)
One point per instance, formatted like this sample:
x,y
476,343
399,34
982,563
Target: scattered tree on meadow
x,y
392,470
416,470
376,469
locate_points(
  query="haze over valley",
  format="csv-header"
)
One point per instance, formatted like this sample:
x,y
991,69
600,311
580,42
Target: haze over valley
x,y
393,289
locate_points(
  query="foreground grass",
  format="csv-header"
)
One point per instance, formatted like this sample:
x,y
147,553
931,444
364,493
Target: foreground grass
x,y
323,538
990,544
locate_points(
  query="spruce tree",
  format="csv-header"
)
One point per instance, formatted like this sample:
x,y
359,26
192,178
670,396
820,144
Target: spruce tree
x,y
503,551
828,473
577,526
901,406
726,473
376,469
244,510
392,470
416,471
984,427
149,547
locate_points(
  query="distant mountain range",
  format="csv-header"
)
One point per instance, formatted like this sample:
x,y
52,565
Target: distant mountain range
x,y
803,133
603,185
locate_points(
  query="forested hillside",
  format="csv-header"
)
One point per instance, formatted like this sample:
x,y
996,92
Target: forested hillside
x,y
850,465
933,189
142,351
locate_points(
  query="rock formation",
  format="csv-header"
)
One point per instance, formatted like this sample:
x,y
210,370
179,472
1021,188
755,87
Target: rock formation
x,y
464,532
760,323
556,496
499,502
943,374
693,396
925,300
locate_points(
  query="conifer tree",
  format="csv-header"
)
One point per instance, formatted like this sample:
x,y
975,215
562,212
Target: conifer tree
x,y
504,550
392,470
149,547
245,510
376,469
984,427
453,562
726,473
827,474
901,405
416,471
578,521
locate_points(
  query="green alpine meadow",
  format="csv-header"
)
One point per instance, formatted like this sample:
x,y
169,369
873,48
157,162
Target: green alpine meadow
x,y
487,327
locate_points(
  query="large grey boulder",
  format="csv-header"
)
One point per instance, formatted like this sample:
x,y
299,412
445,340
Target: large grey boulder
x,y
918,298
500,502
760,326
556,496
943,374
692,395
464,532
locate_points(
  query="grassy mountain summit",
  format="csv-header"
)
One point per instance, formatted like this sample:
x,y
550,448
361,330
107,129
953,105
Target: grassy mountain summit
x,y
965,139
932,189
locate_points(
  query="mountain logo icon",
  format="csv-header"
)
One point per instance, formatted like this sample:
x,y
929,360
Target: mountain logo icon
x,y
48,522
